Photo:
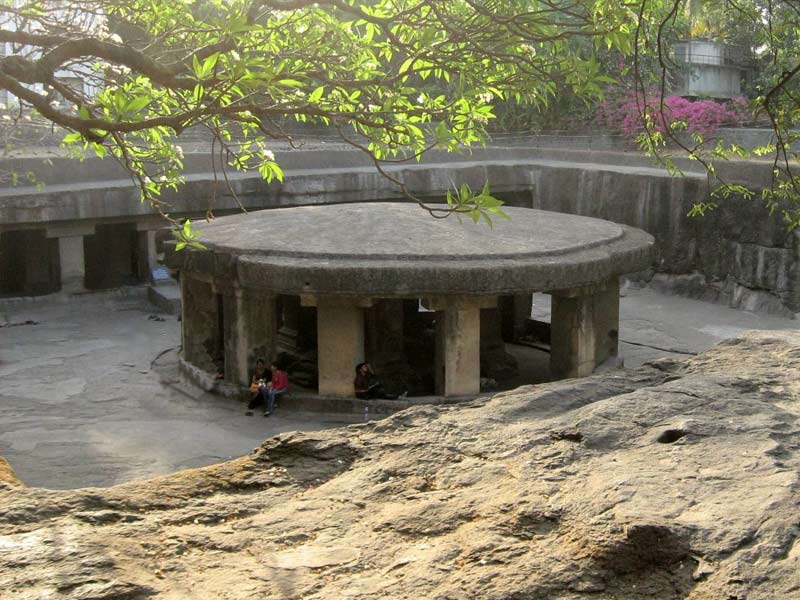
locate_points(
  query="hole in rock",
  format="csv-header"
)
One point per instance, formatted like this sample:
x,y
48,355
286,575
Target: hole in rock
x,y
572,436
671,435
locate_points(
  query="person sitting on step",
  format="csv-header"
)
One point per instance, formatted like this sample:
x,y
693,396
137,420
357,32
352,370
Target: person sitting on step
x,y
278,386
368,386
258,386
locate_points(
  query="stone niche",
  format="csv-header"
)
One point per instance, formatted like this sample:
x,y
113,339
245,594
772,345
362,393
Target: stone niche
x,y
112,257
29,263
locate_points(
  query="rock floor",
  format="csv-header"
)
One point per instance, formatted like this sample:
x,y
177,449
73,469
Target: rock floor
x,y
82,402
678,479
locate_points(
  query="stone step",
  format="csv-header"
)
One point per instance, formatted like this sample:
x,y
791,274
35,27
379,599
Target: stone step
x,y
166,296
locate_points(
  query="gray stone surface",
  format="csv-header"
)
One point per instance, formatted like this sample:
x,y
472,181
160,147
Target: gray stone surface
x,y
87,400
166,296
400,231
397,249
677,480
81,405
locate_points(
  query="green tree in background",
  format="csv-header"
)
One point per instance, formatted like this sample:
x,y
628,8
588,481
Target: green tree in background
x,y
768,30
394,78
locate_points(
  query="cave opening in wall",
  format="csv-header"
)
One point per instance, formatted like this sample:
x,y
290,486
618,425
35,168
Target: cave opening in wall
x,y
29,263
111,256
296,340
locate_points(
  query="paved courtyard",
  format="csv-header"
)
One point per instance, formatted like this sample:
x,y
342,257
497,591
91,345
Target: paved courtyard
x,y
86,398
82,405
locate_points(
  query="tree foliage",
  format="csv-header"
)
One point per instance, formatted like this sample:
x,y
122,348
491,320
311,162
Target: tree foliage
x,y
394,78
769,29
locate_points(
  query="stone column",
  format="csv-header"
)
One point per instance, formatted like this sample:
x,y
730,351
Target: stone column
x,y
458,344
496,363
385,345
340,342
183,282
71,255
584,329
234,336
606,311
250,323
146,257
73,264
793,296
199,322
523,305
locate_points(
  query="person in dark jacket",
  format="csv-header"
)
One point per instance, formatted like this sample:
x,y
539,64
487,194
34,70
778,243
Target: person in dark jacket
x,y
367,385
258,386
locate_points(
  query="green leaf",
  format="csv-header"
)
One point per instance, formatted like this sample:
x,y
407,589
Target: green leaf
x,y
405,66
316,94
137,104
210,63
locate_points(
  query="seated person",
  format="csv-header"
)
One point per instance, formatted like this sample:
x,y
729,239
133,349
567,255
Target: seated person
x,y
367,386
278,386
258,386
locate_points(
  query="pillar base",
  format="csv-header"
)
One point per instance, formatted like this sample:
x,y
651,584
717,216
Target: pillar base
x,y
458,348
584,330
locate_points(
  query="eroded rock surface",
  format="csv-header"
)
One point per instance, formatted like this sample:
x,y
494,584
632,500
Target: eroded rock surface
x,y
674,480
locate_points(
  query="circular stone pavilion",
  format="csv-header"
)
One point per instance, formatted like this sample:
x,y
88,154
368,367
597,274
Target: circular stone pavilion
x,y
345,260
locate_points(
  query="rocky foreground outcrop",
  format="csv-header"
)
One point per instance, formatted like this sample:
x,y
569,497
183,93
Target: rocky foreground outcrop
x,y
674,480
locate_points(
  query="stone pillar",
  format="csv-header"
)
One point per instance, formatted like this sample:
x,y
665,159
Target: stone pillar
x,y
458,344
792,299
234,336
340,342
183,282
385,345
200,326
584,329
146,257
71,255
250,323
606,314
523,305
73,263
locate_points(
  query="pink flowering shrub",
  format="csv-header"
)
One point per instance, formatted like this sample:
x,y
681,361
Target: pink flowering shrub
x,y
699,116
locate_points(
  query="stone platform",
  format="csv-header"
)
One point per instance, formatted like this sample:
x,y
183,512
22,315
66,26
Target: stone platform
x,y
343,259
397,249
